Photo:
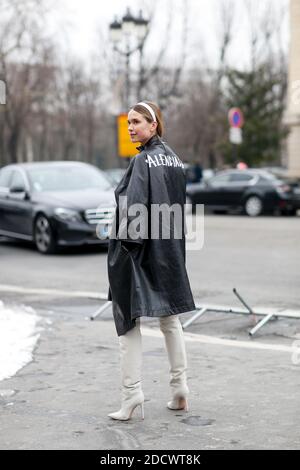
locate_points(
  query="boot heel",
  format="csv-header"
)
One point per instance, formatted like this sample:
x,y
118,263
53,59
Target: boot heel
x,y
183,404
180,403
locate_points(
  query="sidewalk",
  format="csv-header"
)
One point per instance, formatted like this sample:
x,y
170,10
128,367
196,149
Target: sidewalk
x,y
241,398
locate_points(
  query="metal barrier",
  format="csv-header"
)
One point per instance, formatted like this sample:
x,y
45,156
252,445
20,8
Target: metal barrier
x,y
202,309
100,310
267,316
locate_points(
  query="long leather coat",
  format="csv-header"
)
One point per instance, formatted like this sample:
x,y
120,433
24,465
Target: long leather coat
x,y
147,276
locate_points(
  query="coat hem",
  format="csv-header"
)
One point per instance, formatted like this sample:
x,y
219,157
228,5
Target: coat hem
x,y
166,310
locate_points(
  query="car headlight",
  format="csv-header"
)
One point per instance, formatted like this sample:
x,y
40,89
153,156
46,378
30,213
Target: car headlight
x,y
69,215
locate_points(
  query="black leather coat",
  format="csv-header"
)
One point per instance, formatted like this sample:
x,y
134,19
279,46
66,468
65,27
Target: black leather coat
x,y
147,276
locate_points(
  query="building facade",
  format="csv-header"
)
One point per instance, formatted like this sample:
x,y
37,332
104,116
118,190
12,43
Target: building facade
x,y
293,109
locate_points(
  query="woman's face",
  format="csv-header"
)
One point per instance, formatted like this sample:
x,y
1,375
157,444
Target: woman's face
x,y
140,130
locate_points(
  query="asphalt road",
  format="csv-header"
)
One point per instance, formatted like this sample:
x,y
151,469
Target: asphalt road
x,y
258,256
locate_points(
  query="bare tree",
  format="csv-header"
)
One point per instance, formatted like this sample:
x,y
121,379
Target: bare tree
x,y
265,22
227,18
24,51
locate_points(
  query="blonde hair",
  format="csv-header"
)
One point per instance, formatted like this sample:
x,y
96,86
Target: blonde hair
x,y
147,115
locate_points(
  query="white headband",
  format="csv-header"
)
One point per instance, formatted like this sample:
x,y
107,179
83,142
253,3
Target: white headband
x,y
149,109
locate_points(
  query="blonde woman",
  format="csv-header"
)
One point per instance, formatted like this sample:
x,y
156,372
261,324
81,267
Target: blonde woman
x,y
146,269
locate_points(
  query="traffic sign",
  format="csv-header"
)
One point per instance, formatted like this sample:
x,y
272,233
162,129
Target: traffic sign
x,y
235,135
236,117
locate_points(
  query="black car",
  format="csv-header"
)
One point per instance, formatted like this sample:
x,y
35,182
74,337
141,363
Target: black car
x,y
56,204
252,190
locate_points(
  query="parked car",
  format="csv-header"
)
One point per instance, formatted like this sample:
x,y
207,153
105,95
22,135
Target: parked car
x,y
190,174
115,175
283,174
56,204
254,191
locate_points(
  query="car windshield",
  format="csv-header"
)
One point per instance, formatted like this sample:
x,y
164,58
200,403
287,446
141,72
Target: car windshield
x,y
115,175
67,178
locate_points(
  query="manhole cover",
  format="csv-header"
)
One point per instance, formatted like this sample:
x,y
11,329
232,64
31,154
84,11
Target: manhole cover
x,y
197,421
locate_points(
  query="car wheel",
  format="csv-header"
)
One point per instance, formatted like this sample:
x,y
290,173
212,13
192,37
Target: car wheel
x,y
44,236
253,206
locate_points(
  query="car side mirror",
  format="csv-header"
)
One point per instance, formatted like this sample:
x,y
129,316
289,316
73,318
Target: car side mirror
x,y
17,189
20,191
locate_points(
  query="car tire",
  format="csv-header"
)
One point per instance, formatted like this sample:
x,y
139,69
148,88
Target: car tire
x,y
253,206
44,236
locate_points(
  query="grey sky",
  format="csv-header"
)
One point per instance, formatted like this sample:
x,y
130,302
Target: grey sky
x,y
85,16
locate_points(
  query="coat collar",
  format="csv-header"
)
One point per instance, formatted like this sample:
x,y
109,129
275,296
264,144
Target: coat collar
x,y
155,139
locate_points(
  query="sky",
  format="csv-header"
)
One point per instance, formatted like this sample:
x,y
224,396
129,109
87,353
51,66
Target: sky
x,y
80,20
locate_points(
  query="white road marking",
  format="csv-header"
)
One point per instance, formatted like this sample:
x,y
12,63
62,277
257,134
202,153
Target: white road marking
x,y
64,293
157,333
192,337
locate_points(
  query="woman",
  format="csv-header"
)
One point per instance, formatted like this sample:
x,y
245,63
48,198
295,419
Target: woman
x,y
146,265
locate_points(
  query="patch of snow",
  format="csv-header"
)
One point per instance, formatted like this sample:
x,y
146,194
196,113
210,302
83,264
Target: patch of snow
x,y
18,337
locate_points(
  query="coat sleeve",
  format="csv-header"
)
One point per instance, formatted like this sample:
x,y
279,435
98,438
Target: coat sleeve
x,y
134,210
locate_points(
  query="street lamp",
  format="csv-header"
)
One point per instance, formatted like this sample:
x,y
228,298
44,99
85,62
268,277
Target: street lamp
x,y
115,29
129,27
128,22
141,25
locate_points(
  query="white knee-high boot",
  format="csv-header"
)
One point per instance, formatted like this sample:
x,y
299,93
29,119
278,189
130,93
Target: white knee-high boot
x,y
175,345
131,369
